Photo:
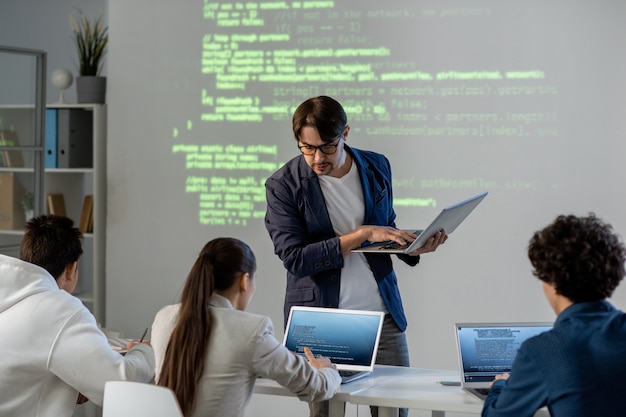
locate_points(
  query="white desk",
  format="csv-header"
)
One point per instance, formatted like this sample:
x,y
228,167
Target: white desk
x,y
419,390
381,375
393,387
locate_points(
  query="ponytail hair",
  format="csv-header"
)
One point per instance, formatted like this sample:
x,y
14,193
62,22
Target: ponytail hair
x,y
219,264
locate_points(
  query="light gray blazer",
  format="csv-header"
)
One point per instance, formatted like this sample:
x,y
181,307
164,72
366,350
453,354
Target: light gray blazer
x,y
242,347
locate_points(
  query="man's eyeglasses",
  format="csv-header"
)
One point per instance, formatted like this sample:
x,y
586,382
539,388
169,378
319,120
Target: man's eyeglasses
x,y
326,149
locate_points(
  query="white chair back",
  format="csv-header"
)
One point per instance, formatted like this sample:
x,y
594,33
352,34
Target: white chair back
x,y
136,399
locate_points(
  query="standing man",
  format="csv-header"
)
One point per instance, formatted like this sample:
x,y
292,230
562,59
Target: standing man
x,y
323,204
578,368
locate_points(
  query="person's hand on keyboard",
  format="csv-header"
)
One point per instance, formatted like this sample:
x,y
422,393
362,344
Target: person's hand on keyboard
x,y
498,377
373,234
318,362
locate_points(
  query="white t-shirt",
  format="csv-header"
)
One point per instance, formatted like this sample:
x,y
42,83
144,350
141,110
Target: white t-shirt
x,y
344,200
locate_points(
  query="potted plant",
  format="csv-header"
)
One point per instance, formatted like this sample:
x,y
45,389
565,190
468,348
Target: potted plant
x,y
91,38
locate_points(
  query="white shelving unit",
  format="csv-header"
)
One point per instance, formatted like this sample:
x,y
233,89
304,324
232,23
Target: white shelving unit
x,y
75,184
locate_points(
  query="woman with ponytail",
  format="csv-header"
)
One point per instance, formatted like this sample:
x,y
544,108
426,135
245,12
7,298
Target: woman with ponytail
x,y
209,351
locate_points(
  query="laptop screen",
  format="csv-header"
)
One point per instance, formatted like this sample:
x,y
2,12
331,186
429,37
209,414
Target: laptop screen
x,y
349,338
488,349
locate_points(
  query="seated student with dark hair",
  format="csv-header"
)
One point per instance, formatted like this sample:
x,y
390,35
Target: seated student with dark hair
x,y
579,367
209,351
51,345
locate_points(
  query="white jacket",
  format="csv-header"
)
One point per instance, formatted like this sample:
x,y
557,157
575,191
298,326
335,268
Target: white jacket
x,y
51,347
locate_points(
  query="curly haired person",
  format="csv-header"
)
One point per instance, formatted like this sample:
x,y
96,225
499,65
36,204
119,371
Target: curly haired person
x,y
579,367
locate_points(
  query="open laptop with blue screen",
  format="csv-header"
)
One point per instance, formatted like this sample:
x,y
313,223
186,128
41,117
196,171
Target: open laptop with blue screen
x,y
488,349
448,219
349,338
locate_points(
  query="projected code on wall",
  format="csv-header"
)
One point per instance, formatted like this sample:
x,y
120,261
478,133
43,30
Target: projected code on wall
x,y
259,60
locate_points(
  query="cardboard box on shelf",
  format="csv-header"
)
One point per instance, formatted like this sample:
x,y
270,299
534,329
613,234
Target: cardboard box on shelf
x,y
12,192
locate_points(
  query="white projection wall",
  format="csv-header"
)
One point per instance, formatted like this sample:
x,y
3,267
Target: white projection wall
x,y
525,100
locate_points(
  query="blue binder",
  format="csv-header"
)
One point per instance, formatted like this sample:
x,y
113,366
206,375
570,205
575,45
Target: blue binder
x,y
50,145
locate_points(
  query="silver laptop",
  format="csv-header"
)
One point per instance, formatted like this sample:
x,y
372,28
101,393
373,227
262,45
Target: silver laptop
x,y
349,338
448,219
488,349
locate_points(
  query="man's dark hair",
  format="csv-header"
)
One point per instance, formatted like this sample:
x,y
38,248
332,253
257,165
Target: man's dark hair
x,y
580,256
322,113
51,242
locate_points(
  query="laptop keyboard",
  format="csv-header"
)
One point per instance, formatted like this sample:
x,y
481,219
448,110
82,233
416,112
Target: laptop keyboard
x,y
348,373
394,245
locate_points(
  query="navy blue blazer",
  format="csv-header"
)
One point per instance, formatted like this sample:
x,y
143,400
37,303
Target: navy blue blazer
x,y
577,369
303,236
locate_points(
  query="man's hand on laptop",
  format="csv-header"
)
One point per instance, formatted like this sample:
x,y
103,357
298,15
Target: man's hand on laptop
x,y
499,377
318,362
371,233
432,244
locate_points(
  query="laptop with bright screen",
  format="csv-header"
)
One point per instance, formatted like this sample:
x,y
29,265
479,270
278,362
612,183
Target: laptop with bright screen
x,y
349,338
488,349
448,219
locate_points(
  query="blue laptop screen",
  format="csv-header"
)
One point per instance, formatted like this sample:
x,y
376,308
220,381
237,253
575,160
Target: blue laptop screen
x,y
488,350
344,336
